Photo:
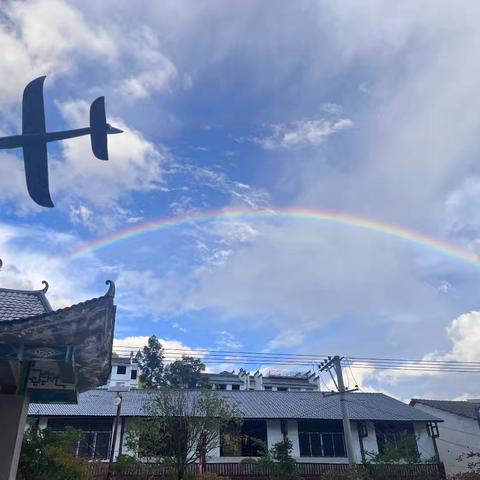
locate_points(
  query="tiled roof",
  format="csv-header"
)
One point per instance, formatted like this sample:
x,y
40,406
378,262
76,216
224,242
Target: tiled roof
x,y
86,326
457,407
17,304
253,404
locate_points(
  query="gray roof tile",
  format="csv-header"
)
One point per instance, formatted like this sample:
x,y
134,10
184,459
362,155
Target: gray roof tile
x,y
17,304
457,407
253,404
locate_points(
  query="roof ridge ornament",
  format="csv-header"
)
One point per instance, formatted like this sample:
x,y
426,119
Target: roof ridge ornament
x,y
111,288
45,288
1,264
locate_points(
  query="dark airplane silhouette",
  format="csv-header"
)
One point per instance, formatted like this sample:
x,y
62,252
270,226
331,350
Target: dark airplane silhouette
x,y
34,139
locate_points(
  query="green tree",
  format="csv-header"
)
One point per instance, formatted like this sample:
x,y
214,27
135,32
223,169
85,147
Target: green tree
x,y
404,450
186,373
182,427
182,373
150,361
48,455
278,461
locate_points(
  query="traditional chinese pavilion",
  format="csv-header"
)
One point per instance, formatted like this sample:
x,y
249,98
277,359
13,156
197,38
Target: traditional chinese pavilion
x,y
46,356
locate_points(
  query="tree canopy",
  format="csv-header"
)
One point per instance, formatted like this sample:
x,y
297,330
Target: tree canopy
x,y
182,427
48,455
185,372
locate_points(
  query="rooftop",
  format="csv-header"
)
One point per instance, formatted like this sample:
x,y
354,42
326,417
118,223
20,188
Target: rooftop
x,y
253,404
463,408
17,304
87,326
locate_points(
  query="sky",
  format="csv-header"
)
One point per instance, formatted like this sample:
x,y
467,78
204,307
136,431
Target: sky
x,y
365,108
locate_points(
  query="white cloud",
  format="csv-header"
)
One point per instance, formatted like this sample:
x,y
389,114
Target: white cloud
x,y
135,164
31,254
303,133
464,333
228,341
45,37
127,345
154,73
286,339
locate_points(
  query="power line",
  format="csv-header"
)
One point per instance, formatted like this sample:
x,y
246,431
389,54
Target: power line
x,y
211,356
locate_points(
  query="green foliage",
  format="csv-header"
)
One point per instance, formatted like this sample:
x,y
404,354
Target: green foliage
x,y
150,361
474,461
182,427
278,460
183,373
48,455
403,451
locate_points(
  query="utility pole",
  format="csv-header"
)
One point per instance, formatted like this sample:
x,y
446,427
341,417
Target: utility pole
x,y
118,403
335,364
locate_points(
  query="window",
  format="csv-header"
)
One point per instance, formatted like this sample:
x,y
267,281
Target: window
x,y
243,441
235,387
220,386
121,370
133,374
96,435
282,389
321,438
268,388
400,435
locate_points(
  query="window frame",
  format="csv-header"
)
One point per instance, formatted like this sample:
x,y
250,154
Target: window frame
x,y
322,437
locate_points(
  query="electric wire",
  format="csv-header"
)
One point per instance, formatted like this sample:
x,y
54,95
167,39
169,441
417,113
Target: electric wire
x,y
229,357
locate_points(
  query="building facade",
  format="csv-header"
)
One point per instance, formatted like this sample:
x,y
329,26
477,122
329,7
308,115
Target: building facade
x,y
311,422
126,372
459,431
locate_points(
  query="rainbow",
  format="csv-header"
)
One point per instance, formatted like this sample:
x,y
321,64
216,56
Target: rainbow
x,y
304,214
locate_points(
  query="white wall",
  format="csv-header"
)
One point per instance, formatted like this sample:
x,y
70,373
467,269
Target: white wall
x,y
123,379
424,442
370,444
457,435
274,435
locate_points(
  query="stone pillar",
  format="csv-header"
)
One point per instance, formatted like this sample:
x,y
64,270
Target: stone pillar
x,y
13,416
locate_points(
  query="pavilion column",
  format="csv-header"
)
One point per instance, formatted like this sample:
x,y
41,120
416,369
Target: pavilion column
x,y
13,416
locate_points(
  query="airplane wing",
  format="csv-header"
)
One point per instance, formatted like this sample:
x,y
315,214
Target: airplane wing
x,y
33,120
36,172
35,152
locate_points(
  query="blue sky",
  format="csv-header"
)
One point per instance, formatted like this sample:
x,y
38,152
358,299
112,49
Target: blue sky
x,y
366,108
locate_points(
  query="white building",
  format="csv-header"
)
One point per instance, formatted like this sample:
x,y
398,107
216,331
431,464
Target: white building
x,y
311,421
126,372
459,431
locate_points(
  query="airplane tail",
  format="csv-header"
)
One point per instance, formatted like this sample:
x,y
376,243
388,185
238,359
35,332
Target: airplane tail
x,y
99,128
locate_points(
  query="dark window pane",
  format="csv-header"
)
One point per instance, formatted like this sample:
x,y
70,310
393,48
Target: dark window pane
x,y
328,445
84,424
231,441
133,374
254,433
235,387
304,440
319,426
339,445
121,370
87,445
101,445
316,444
